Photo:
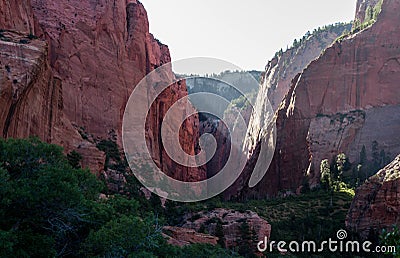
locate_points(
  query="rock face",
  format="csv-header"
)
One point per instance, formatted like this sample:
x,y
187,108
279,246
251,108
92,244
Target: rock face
x,y
182,236
27,78
362,6
377,204
344,100
232,86
78,77
232,231
189,134
220,132
18,16
100,50
286,65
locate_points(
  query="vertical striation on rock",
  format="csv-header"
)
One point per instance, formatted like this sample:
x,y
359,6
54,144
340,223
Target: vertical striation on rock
x,y
18,15
27,78
75,80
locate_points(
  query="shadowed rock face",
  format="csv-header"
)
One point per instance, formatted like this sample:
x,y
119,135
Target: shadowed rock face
x,y
220,131
336,105
80,74
25,76
377,204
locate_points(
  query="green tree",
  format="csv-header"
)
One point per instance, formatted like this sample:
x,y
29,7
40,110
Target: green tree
x,y
48,209
245,245
377,10
74,159
326,176
110,148
342,165
45,200
375,156
363,155
219,232
369,14
125,236
391,238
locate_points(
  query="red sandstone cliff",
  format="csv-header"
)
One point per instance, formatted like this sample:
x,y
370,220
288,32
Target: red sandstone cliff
x,y
80,74
345,99
377,204
31,96
18,15
362,6
100,50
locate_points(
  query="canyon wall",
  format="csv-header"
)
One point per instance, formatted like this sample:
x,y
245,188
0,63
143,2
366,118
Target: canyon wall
x,y
286,65
362,6
71,85
100,50
376,204
345,99
18,15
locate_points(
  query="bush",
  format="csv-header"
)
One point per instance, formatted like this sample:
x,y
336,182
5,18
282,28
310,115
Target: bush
x,y
44,200
123,236
111,150
74,159
48,208
391,238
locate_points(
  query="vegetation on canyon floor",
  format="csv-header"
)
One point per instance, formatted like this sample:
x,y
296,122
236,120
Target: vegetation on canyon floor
x,y
50,207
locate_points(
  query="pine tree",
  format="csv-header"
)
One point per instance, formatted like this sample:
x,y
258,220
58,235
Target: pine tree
x,y
245,243
326,176
219,232
363,155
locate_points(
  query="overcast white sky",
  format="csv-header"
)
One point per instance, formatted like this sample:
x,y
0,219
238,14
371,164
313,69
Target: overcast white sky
x,y
246,33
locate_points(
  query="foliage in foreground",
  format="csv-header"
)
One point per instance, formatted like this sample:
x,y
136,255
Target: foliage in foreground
x,y
48,208
391,238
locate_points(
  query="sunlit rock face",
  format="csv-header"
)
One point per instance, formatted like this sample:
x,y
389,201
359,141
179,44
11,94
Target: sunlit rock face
x,y
70,85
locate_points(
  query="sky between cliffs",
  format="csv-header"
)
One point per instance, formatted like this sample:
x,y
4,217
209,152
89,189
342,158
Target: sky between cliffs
x,y
245,33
